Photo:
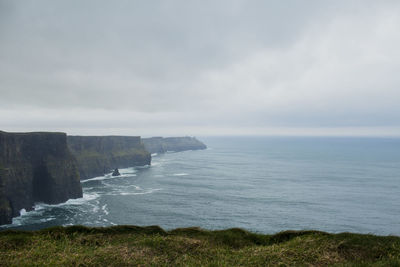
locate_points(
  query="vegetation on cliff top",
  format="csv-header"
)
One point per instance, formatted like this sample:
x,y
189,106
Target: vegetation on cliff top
x,y
132,245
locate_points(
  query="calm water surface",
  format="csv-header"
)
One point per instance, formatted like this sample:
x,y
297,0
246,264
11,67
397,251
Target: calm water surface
x,y
257,183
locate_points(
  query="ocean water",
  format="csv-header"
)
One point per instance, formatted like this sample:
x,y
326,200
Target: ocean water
x,y
262,184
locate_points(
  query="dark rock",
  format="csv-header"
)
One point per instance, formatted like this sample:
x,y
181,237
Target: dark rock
x,y
176,144
35,167
116,172
98,154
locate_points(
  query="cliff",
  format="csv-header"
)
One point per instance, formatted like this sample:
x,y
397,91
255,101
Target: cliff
x,y
97,155
176,144
35,167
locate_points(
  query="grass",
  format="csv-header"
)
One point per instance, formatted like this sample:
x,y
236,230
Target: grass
x,y
152,246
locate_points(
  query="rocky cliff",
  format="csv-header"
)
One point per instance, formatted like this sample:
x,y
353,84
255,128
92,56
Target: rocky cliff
x,y
97,155
35,167
176,144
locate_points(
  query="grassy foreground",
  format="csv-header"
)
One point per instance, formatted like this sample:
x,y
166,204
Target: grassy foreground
x,y
152,246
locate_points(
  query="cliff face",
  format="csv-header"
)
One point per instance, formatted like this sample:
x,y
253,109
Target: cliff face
x,y
97,155
35,167
177,144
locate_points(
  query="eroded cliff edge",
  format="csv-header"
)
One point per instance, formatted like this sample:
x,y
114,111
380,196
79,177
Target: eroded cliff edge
x,y
46,167
97,155
35,167
176,144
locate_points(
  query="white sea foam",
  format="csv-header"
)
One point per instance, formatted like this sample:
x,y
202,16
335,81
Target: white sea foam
x,y
143,167
87,188
78,201
39,208
180,174
95,209
116,187
125,172
98,178
109,177
130,170
22,212
104,209
17,221
139,193
154,154
47,219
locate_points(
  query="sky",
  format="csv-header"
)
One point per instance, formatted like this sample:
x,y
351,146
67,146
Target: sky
x,y
210,67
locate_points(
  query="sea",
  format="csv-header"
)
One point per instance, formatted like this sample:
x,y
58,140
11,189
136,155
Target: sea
x,y
261,184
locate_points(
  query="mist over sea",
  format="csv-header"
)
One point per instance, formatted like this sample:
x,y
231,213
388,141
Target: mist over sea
x,y
262,184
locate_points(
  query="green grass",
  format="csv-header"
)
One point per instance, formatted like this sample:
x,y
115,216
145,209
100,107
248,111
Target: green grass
x,y
152,246
130,152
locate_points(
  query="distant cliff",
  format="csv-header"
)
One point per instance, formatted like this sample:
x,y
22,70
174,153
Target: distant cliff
x,y
35,167
176,144
97,155
47,167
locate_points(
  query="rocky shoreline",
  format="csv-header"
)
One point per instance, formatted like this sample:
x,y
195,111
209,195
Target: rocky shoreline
x,y
97,155
47,167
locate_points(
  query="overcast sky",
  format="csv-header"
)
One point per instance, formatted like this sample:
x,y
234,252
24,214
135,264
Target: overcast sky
x,y
201,67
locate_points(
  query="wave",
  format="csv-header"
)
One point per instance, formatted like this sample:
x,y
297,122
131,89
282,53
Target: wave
x,y
108,177
77,201
89,209
180,174
47,219
130,170
138,193
22,212
20,220
125,172
110,186
104,209
143,167
39,208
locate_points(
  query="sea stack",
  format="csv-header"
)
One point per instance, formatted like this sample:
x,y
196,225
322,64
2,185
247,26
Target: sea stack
x,y
96,155
116,172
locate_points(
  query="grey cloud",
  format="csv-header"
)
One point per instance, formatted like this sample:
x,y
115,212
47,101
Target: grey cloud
x,y
199,64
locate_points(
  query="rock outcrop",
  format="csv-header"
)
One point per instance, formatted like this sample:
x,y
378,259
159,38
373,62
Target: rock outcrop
x,y
116,172
47,167
35,167
176,144
97,155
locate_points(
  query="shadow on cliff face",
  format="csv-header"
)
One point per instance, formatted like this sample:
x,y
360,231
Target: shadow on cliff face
x,y
42,185
35,167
